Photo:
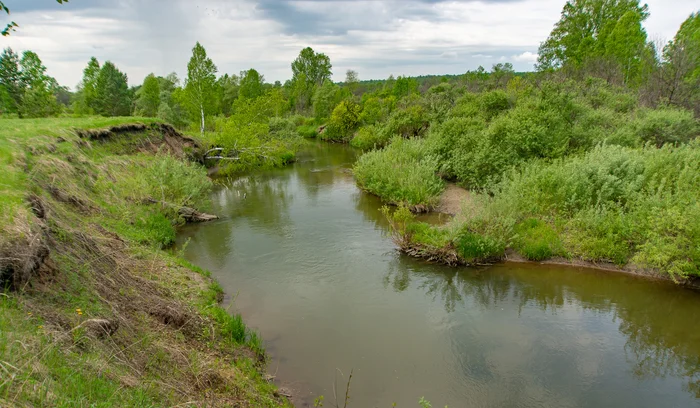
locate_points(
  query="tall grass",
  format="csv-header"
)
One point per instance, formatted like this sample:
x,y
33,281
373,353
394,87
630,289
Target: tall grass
x,y
615,204
402,173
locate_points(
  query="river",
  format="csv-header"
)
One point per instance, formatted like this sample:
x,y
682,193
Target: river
x,y
303,255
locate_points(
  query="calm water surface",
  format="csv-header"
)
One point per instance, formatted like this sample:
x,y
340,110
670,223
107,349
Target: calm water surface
x,y
304,256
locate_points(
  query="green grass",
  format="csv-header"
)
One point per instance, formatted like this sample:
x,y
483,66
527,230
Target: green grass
x,y
537,240
105,260
20,137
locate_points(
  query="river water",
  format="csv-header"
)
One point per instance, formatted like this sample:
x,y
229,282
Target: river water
x,y
304,256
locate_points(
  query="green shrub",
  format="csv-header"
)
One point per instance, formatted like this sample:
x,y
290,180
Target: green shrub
x,y
344,120
666,126
402,173
616,204
408,122
308,131
370,137
494,102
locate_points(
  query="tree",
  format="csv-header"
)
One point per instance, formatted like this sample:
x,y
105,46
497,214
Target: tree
x,y
681,68
112,92
38,99
501,74
405,86
10,81
87,88
148,100
352,80
309,71
626,44
12,25
201,84
582,32
325,100
251,84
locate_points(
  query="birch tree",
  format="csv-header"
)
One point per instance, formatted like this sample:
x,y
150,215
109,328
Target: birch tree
x,y
200,85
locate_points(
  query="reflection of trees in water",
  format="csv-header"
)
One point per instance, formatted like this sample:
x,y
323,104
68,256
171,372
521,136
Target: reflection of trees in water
x,y
262,200
323,165
370,207
657,320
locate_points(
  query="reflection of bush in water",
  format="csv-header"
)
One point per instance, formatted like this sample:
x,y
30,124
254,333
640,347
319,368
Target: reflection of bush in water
x,y
659,335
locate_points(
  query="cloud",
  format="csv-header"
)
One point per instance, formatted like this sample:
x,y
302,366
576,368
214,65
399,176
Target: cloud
x,y
527,56
375,37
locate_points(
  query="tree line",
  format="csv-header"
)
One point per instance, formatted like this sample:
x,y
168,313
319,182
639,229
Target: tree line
x,y
599,38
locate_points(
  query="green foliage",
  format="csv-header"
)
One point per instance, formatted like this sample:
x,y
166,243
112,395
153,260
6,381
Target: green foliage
x,y
148,97
370,137
590,29
404,172
308,131
251,84
616,204
536,240
494,102
112,92
476,248
310,70
87,89
256,135
679,75
199,96
665,126
326,98
411,121
344,120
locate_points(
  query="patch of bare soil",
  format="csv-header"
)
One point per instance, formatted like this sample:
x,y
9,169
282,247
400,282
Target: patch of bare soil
x,y
453,198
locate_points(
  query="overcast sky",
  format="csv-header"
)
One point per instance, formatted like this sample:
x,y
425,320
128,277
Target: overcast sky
x,y
374,37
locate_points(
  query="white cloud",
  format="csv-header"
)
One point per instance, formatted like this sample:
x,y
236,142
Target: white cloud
x,y
527,56
377,38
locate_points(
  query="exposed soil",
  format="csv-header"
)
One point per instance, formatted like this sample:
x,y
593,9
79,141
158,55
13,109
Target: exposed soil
x,y
453,198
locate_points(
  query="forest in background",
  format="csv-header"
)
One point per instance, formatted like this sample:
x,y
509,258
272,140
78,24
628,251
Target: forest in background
x,y
592,156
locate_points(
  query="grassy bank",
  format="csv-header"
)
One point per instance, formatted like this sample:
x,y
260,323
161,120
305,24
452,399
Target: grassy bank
x,y
634,208
566,169
94,312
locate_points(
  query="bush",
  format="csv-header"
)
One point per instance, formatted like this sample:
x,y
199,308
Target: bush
x,y
494,102
369,137
344,120
666,126
402,173
308,131
411,121
615,204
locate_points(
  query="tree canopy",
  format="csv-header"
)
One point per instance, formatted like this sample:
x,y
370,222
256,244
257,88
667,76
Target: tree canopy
x,y
590,29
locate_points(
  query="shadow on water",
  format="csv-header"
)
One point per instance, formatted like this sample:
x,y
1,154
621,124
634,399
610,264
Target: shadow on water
x,y
306,257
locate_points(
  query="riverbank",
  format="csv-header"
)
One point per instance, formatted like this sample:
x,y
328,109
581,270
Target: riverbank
x,y
95,312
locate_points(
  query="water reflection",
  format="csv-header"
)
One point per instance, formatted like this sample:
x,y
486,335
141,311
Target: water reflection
x,y
658,340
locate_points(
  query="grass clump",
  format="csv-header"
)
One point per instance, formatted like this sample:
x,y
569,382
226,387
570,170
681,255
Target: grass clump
x,y
536,240
403,173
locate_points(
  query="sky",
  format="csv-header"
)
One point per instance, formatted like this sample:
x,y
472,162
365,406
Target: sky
x,y
377,38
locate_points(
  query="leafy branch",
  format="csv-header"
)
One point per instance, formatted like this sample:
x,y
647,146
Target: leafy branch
x,y
12,25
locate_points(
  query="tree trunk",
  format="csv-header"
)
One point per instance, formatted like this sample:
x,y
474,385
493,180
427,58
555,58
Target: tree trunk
x,y
201,128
